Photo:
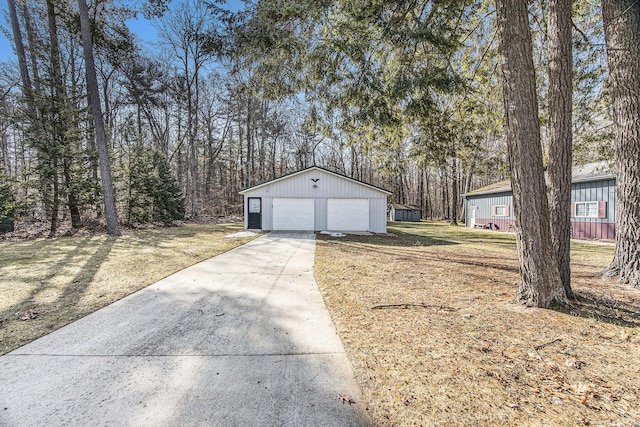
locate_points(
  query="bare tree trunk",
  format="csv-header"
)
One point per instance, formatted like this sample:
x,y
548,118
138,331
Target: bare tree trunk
x,y
540,284
194,106
249,144
61,124
193,168
57,134
72,199
178,151
560,134
111,213
27,89
454,191
421,192
429,202
467,188
240,157
273,159
622,33
444,182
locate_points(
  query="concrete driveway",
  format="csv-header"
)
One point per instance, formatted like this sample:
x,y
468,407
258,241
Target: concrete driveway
x,y
242,339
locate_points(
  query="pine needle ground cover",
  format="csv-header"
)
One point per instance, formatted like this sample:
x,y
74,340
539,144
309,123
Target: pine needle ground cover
x,y
427,319
48,283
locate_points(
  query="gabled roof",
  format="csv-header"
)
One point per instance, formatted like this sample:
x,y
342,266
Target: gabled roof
x,y
400,207
592,172
292,174
589,172
498,187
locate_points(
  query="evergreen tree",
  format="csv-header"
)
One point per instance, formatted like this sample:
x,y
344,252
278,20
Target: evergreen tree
x,y
7,204
168,200
540,283
622,33
139,201
154,193
560,135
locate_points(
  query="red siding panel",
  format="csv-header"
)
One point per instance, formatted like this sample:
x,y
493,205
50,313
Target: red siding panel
x,y
593,230
503,224
602,209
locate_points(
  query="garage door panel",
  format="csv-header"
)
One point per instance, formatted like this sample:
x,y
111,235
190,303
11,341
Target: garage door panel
x,y
293,214
348,214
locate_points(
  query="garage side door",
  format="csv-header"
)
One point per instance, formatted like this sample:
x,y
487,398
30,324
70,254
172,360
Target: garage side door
x,y
348,214
293,214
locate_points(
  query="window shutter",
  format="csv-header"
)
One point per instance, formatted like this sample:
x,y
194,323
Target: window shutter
x,y
573,210
602,209
507,210
493,211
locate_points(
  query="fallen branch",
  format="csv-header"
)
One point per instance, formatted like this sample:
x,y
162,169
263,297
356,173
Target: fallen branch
x,y
407,305
346,399
541,346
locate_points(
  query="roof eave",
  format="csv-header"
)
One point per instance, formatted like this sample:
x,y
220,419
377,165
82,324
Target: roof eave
x,y
484,193
292,174
594,178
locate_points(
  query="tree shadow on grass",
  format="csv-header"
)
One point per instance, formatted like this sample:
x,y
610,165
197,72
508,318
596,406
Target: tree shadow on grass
x,y
588,304
397,239
46,259
400,244
603,309
49,314
225,349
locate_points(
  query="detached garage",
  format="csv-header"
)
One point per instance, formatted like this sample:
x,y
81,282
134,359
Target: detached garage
x,y
315,199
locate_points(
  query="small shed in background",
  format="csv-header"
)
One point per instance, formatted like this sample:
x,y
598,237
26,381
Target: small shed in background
x,y
399,212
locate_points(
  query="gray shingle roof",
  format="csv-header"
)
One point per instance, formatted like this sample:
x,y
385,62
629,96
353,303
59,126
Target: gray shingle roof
x,y
597,171
398,206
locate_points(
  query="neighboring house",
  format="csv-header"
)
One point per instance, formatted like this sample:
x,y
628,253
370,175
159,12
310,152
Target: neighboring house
x,y
593,204
398,212
315,199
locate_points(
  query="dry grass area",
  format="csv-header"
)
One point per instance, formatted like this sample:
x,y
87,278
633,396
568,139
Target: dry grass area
x,y
46,284
427,319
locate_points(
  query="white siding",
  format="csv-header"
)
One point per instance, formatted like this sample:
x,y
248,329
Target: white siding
x,y
329,186
321,214
483,204
267,212
378,215
326,186
594,191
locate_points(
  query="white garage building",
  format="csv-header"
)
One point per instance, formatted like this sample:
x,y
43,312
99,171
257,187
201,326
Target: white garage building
x,y
315,199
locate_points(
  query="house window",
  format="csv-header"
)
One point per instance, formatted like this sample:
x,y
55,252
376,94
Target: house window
x,y
587,209
596,209
500,210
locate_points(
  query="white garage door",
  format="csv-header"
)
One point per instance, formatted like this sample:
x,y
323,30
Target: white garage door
x,y
348,214
293,214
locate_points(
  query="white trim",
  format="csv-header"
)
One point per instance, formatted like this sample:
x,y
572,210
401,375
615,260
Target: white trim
x,y
504,208
291,175
587,210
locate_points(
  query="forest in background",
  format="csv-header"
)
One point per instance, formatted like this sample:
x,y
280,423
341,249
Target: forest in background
x,y
216,107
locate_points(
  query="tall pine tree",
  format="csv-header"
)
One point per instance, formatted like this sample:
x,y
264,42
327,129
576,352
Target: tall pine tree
x,y
540,284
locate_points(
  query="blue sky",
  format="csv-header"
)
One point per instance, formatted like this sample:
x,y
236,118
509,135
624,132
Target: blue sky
x,y
141,27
